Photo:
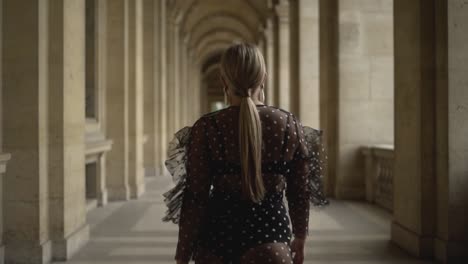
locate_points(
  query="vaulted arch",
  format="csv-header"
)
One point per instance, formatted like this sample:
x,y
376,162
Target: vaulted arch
x,y
220,22
218,36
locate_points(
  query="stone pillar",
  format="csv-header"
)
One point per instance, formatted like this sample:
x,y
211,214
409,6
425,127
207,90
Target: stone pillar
x,y
308,63
271,58
161,67
176,71
117,101
458,127
329,87
194,89
150,89
414,176
134,81
184,92
4,157
25,131
170,86
67,192
451,240
284,55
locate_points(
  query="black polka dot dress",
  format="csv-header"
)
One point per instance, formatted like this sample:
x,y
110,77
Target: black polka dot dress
x,y
214,216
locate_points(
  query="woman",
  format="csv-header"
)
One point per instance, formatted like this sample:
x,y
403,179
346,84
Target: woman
x,y
239,162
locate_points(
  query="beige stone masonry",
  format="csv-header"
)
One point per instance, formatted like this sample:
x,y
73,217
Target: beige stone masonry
x,y
117,102
414,174
4,158
25,132
134,82
68,227
150,99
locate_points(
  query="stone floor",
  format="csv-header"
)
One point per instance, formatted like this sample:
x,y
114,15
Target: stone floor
x,y
132,233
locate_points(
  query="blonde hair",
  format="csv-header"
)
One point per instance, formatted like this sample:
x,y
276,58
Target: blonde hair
x,y
243,69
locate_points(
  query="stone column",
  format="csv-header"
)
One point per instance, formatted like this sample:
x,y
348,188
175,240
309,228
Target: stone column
x,y
170,86
25,131
308,62
117,101
451,240
150,89
194,93
4,157
176,71
67,192
161,67
329,87
271,58
284,55
414,176
134,81
184,92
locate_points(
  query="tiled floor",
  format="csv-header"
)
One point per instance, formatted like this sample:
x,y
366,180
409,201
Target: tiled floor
x,y
132,233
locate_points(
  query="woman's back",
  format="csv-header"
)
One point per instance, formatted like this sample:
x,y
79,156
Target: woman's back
x,y
281,138
221,220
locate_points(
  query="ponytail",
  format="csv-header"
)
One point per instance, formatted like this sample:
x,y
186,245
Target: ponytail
x,y
250,139
243,69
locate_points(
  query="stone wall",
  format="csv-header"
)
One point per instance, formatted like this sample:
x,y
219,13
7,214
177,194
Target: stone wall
x,y
457,130
365,87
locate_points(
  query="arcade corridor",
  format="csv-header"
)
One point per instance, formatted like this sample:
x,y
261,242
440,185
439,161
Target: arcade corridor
x,y
92,92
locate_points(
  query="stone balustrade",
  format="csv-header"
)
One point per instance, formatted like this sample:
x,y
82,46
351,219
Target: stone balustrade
x,y
379,160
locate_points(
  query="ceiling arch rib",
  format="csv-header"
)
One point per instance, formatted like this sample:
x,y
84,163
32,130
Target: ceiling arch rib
x,y
223,18
212,68
218,21
214,47
215,34
202,9
221,37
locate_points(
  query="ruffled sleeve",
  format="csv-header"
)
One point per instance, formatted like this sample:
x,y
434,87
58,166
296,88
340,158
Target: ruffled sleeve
x,y
316,162
176,165
304,178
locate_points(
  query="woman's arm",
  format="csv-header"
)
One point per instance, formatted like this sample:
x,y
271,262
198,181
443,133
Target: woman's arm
x,y
297,191
196,194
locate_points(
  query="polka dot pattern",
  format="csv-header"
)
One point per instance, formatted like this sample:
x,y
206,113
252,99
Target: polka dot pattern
x,y
215,218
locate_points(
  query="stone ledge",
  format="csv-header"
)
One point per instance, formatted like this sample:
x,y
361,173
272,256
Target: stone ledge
x,y
95,148
4,158
66,248
412,242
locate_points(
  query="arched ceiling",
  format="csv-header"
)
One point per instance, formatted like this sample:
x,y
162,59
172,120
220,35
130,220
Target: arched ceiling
x,y
212,25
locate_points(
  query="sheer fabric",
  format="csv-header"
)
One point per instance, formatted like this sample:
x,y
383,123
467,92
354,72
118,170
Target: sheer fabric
x,y
215,221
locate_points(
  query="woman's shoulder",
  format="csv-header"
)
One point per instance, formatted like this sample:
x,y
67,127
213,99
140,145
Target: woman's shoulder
x,y
280,111
205,118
